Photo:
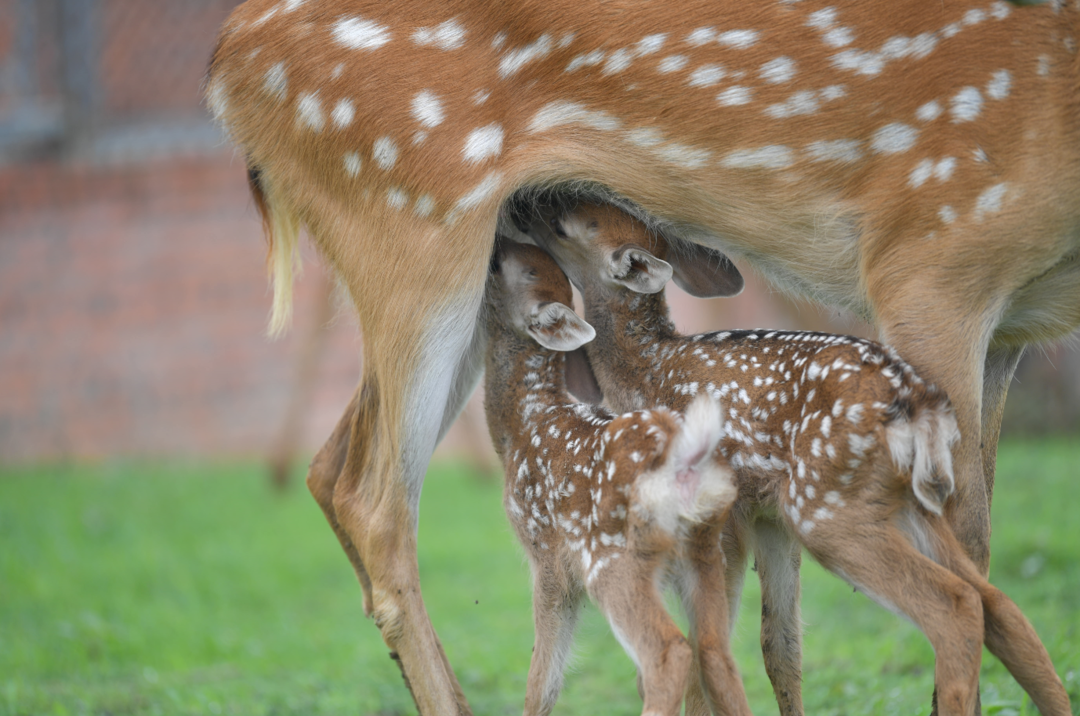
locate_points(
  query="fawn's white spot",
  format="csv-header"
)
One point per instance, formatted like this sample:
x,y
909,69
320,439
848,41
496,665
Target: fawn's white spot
x,y
701,36
944,169
275,82
424,205
555,114
483,143
385,152
947,214
357,33
864,63
990,201
587,60
352,163
973,17
999,85
343,113
396,199
894,138
734,96
706,76
672,63
803,102
778,71
835,150
618,61
650,44
776,156
929,111
684,156
309,112
738,39
966,105
822,19
921,173
516,59
838,37
427,108
449,35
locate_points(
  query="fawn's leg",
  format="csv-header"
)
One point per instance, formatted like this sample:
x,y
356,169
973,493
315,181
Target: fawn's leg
x,y
778,557
733,557
707,608
873,556
1008,634
635,610
555,615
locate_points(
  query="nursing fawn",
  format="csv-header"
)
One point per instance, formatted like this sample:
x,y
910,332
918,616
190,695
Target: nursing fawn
x,y
605,505
837,444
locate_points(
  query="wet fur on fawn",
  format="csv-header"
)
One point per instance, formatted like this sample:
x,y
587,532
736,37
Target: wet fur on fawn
x,y
608,505
835,440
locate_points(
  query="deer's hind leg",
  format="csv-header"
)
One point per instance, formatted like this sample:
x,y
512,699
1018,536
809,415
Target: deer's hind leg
x,y
422,355
556,606
778,557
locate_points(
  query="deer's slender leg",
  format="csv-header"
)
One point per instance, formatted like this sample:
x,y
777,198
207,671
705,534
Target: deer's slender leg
x,y
555,615
778,558
636,612
710,631
878,560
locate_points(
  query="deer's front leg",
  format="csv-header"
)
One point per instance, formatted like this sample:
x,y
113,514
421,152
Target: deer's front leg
x,y
555,615
778,557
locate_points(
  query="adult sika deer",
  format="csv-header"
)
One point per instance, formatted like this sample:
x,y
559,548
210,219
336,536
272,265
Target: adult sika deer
x,y
838,445
915,162
605,505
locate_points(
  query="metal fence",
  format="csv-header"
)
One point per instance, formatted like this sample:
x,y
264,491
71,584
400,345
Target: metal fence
x,y
105,77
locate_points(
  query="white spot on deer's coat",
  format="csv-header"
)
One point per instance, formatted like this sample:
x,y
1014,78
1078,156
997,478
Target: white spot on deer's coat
x,y
645,137
775,156
894,138
838,37
684,156
973,17
738,39
478,195
822,19
396,199
706,76
217,98
929,111
449,35
357,33
804,102
385,152
1042,68
865,63
734,96
352,163
427,109
483,143
275,82
556,114
309,112
944,169
999,85
947,214
672,63
617,61
835,150
650,44
587,60
424,206
1000,10
778,71
343,113
990,201
921,173
516,59
966,105
480,96
700,36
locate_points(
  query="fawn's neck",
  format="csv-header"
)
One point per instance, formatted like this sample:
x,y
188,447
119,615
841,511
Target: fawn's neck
x,y
630,327
521,378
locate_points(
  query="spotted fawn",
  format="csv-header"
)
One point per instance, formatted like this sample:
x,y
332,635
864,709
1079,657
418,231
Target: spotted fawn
x,y
837,444
605,505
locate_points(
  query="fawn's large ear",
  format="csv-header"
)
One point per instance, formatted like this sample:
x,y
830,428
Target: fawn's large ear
x,y
580,379
704,272
638,270
556,327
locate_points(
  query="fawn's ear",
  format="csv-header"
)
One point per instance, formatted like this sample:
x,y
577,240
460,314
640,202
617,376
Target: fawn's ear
x,y
556,327
580,379
704,272
638,270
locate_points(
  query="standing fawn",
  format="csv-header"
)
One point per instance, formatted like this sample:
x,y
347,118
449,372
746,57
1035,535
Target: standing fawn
x,y
603,504
837,445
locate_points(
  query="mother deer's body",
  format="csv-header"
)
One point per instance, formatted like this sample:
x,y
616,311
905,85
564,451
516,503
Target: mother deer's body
x,y
917,163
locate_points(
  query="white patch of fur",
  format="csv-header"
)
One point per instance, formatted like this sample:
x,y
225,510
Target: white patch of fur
x,y
516,59
449,35
357,33
483,143
556,114
427,108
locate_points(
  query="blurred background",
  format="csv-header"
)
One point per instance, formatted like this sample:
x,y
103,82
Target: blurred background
x,y
133,296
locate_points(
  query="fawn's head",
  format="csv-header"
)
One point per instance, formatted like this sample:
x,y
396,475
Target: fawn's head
x,y
601,245
529,295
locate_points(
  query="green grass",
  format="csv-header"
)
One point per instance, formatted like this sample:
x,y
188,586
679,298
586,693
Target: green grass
x,y
191,589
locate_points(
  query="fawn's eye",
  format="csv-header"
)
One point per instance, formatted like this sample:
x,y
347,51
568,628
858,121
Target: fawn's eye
x,y
557,228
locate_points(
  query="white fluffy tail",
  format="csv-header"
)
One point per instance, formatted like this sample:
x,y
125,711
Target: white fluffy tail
x,y
923,444
282,228
693,482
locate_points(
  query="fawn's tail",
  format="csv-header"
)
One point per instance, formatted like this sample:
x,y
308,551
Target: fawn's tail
x,y
920,439
282,229
693,481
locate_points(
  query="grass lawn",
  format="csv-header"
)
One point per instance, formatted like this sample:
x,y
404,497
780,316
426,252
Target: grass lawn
x,y
171,588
